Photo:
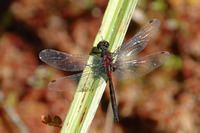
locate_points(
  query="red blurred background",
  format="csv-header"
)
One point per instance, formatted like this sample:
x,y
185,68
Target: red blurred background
x,y
163,101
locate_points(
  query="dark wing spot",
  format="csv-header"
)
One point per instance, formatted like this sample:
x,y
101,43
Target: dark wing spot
x,y
151,21
53,81
162,52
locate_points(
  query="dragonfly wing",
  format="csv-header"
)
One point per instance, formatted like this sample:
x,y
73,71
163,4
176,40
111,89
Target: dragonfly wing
x,y
69,83
139,67
65,61
138,42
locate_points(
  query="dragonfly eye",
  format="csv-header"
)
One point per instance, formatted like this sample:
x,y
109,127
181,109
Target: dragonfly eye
x,y
103,45
106,44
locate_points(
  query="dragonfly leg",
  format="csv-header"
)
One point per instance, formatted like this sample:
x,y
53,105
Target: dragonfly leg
x,y
114,68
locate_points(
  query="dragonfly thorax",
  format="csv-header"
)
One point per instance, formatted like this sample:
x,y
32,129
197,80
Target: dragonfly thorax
x,y
103,45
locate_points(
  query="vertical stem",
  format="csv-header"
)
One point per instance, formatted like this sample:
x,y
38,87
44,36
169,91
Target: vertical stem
x,y
113,29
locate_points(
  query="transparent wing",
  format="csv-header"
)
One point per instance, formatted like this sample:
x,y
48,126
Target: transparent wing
x,y
139,67
65,61
69,83
138,42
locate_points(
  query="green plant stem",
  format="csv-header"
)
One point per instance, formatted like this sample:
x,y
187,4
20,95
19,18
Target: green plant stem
x,y
113,29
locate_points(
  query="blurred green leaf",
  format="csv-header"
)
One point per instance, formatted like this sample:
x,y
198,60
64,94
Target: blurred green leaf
x,y
174,62
159,5
58,120
5,21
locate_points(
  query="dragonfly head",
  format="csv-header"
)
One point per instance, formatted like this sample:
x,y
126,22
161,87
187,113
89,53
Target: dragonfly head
x,y
103,45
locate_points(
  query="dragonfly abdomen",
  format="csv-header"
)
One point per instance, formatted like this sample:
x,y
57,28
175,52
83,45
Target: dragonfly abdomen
x,y
113,100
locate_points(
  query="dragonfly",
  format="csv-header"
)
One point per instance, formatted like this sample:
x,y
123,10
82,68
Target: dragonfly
x,y
125,67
